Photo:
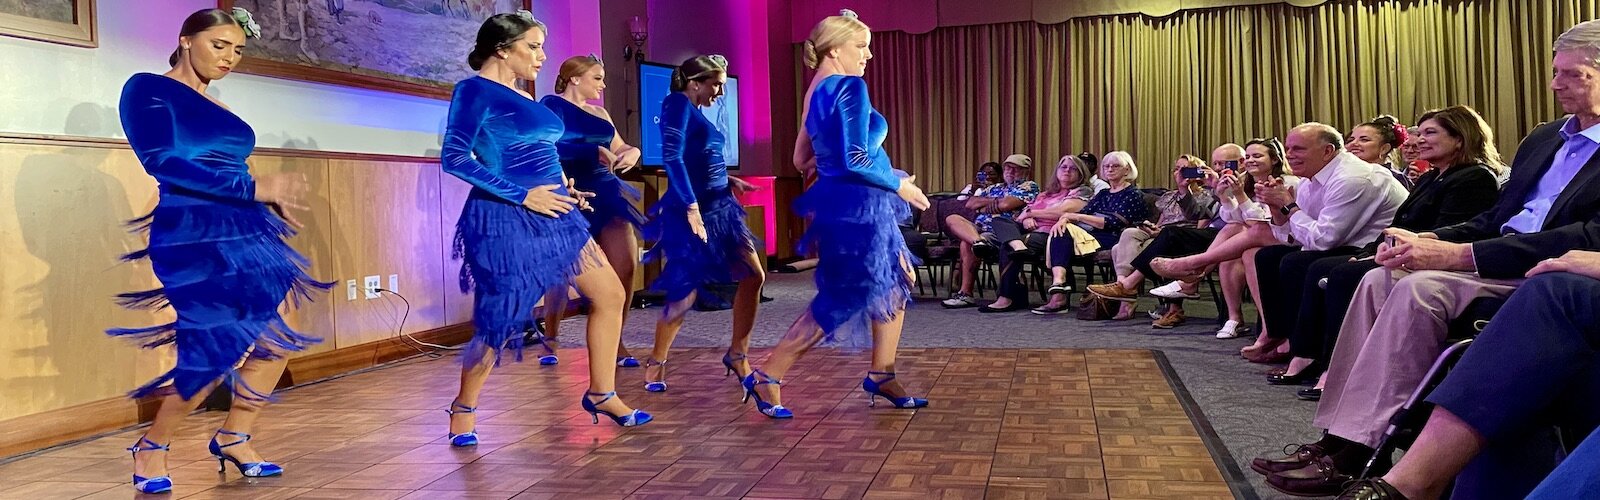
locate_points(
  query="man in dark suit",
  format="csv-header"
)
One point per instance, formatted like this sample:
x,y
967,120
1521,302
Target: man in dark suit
x,y
1397,322
1533,366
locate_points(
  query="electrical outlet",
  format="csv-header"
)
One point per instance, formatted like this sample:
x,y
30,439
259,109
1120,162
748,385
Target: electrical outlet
x,y
373,283
394,283
350,290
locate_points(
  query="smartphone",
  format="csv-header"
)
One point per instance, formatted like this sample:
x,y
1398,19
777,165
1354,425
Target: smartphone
x,y
1230,165
1191,173
1391,240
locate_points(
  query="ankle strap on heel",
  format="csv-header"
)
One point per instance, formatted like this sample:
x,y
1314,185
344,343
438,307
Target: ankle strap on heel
x,y
604,396
890,376
242,437
140,446
463,408
762,378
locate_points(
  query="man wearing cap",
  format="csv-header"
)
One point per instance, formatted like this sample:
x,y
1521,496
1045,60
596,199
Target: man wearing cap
x,y
1004,200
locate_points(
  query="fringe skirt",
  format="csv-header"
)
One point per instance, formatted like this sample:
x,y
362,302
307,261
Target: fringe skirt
x,y
613,199
690,263
510,256
863,270
225,269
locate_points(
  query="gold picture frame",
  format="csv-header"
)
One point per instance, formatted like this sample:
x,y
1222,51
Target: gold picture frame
x,y
368,44
67,22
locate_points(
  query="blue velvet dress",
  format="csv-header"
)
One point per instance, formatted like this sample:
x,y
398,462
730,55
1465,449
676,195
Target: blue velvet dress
x,y
691,151
504,144
580,146
220,255
862,270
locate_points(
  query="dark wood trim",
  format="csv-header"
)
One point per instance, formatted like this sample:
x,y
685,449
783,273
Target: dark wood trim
x,y
109,143
55,427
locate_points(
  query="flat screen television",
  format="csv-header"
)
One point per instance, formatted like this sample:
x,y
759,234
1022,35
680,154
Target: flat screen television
x,y
655,82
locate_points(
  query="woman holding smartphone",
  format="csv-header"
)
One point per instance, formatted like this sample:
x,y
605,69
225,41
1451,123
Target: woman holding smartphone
x,y
1247,227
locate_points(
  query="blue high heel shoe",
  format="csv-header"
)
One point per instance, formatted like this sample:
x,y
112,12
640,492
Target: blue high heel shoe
x,y
627,362
728,359
549,358
469,438
873,391
158,484
656,385
770,410
634,418
252,469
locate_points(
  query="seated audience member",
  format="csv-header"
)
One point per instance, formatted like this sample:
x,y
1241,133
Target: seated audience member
x,y
1462,145
1094,165
1415,167
1341,203
1376,142
1069,191
998,201
1395,325
988,174
1190,207
1536,364
1238,212
1103,219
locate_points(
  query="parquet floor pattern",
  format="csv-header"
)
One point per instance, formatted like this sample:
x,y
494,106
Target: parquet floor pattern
x,y
1004,424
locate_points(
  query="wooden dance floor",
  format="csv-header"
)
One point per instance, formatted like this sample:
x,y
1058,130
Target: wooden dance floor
x,y
1004,423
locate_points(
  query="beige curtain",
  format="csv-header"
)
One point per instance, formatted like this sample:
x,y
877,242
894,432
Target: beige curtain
x,y
1161,87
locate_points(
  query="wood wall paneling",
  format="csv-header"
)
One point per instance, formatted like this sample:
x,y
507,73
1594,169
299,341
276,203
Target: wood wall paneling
x,y
62,211
388,223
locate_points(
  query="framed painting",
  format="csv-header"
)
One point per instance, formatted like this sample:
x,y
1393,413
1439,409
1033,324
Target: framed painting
x,y
69,22
416,47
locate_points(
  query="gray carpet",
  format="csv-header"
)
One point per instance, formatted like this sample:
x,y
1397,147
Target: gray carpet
x,y
1251,417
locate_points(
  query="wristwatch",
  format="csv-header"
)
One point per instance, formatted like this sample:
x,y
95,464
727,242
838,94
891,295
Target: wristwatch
x,y
1288,208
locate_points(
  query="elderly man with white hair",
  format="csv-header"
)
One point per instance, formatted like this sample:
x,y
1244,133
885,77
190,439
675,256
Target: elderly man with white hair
x,y
1397,323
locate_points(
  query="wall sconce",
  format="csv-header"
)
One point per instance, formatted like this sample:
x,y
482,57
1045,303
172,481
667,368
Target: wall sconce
x,y
640,32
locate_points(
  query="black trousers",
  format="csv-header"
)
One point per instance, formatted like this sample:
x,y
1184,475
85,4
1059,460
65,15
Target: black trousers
x,y
1286,286
1314,335
1173,241
1006,231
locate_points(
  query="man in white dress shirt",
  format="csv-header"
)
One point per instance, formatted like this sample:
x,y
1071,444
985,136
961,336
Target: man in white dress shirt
x,y
1340,204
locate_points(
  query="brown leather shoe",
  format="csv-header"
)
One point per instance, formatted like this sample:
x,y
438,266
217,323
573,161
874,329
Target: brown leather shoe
x,y
1317,479
1295,456
1169,320
1372,489
1114,291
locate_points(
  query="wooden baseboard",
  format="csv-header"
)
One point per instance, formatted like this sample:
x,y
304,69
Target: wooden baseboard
x,y
339,361
43,430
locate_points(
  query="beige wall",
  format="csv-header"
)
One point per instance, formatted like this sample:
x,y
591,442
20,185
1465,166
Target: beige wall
x,y
62,205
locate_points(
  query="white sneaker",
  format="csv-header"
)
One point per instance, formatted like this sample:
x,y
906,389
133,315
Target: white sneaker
x,y
1173,290
958,301
1229,330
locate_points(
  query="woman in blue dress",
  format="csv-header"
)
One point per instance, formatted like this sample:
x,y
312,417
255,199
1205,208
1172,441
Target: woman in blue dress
x,y
216,245
698,226
517,236
591,152
864,272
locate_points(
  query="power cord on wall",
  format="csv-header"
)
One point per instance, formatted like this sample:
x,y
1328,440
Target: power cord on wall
x,y
400,330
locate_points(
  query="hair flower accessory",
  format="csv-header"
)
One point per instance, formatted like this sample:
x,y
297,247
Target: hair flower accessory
x,y
848,13
525,14
720,60
246,22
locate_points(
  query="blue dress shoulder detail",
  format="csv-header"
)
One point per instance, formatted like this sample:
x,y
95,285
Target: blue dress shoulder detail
x,y
504,144
691,152
863,272
579,147
220,255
